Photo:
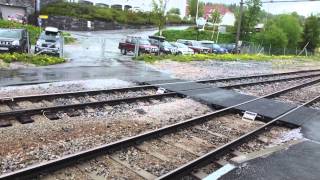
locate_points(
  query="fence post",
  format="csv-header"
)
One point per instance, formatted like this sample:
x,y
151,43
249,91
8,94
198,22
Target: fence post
x,y
270,50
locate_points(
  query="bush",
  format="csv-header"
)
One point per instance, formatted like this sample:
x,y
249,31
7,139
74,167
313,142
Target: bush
x,y
40,60
89,12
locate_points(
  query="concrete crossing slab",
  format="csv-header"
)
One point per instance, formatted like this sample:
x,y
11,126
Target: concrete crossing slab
x,y
300,161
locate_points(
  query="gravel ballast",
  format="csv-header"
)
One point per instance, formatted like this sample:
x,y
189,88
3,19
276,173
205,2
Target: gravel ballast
x,y
27,144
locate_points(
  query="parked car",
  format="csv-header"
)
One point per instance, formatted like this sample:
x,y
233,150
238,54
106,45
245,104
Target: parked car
x,y
50,42
183,49
214,48
195,46
164,46
231,48
129,45
14,40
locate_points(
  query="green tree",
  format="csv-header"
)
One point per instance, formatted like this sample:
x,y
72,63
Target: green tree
x,y
273,38
174,11
290,25
311,33
215,19
250,19
159,9
193,8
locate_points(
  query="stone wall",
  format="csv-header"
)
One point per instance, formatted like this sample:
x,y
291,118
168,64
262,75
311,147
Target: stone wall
x,y
74,24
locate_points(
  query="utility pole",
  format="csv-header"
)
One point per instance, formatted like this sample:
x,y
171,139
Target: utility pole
x,y
239,26
197,14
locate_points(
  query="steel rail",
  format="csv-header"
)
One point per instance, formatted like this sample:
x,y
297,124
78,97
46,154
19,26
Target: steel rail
x,y
225,149
268,81
135,88
33,111
51,109
256,76
94,152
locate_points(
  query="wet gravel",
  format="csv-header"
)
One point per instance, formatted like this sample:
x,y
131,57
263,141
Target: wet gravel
x,y
265,89
316,105
301,96
196,70
63,87
251,80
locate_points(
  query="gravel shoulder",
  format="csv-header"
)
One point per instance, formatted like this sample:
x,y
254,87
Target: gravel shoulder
x,y
62,87
196,70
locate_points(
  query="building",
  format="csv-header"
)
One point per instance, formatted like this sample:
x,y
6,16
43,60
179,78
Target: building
x,y
137,5
228,17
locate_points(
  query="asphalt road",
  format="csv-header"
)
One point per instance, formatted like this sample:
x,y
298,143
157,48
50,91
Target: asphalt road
x,y
94,56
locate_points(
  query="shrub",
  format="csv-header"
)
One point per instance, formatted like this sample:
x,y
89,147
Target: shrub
x,y
40,60
90,12
220,57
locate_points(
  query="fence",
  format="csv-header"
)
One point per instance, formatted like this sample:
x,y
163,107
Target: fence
x,y
253,48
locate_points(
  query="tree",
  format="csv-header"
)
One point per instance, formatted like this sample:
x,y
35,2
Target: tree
x,y
290,25
159,9
250,17
174,11
193,8
273,38
216,19
311,33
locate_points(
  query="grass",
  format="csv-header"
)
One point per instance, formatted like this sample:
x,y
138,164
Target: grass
x,y
39,60
220,57
34,31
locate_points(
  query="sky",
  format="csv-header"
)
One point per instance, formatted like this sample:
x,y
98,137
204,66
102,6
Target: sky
x,y
302,8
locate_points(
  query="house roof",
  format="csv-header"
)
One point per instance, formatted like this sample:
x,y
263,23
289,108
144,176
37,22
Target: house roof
x,y
210,8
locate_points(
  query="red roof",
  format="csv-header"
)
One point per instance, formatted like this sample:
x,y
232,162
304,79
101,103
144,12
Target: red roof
x,y
209,8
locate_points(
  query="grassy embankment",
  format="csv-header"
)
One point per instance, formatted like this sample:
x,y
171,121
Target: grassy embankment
x,y
89,12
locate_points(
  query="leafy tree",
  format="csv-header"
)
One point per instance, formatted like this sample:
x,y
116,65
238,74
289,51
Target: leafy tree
x,y
290,25
250,19
193,8
216,17
174,11
311,33
159,9
273,37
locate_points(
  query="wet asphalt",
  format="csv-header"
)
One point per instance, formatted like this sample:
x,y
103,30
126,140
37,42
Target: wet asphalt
x,y
95,55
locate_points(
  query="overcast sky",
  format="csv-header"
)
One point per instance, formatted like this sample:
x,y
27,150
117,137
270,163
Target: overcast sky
x,y
302,8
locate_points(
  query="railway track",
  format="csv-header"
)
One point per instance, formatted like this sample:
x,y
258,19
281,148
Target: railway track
x,y
21,108
153,145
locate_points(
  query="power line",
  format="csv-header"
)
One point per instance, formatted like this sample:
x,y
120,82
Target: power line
x,y
287,1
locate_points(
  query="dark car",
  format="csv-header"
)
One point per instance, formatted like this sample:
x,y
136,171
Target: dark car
x,y
195,46
14,40
129,45
231,48
164,46
214,48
